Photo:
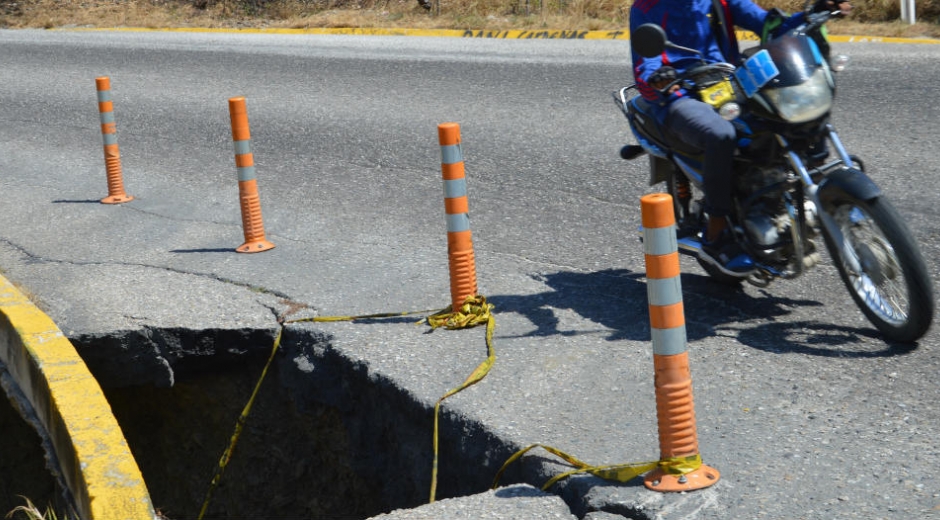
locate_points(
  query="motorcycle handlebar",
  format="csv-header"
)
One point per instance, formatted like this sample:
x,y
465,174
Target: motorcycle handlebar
x,y
814,21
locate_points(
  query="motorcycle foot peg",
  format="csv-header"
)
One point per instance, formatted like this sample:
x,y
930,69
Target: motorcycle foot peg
x,y
631,151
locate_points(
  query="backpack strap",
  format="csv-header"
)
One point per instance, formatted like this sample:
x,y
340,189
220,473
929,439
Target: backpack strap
x,y
723,28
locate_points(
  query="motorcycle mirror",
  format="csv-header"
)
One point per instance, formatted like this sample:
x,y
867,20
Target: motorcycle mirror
x,y
648,40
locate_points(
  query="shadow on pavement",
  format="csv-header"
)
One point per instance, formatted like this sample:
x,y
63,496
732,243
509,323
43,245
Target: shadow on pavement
x,y
824,340
205,250
616,299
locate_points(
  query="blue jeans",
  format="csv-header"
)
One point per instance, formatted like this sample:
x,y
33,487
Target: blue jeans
x,y
699,126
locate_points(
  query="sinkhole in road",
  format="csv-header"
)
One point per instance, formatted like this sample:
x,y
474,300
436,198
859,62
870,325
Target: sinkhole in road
x,y
326,438
287,464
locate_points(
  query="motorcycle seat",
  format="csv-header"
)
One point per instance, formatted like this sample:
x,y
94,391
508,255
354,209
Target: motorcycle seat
x,y
642,112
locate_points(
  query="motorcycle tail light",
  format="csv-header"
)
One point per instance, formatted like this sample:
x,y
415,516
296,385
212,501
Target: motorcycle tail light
x,y
730,111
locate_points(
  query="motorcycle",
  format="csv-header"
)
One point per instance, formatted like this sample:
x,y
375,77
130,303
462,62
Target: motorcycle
x,y
779,100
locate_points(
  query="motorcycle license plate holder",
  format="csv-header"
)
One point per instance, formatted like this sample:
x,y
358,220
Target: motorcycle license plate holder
x,y
756,72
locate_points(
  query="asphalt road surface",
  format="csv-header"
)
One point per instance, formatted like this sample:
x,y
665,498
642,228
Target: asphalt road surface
x,y
802,407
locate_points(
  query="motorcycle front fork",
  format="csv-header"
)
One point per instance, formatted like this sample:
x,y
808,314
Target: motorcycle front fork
x,y
807,175
809,179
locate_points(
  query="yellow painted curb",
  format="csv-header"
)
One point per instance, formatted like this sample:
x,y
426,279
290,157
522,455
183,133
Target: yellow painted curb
x,y
96,463
749,36
880,39
512,34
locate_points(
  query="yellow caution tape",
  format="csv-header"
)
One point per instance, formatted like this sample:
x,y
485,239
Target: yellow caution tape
x,y
475,311
614,472
242,419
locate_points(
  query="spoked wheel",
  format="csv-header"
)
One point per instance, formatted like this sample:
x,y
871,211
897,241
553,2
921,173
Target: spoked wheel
x,y
882,267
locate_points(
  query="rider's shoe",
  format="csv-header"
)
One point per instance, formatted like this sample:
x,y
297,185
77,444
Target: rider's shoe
x,y
727,256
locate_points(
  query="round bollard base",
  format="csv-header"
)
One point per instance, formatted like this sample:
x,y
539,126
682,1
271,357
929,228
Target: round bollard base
x,y
117,199
703,477
255,247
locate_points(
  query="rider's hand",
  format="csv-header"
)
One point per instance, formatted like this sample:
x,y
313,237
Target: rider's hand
x,y
662,77
843,6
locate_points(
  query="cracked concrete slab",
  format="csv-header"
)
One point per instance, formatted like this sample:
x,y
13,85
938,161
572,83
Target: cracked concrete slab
x,y
519,502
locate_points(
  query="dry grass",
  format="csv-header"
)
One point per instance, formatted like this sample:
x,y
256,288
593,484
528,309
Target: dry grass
x,y
872,17
31,512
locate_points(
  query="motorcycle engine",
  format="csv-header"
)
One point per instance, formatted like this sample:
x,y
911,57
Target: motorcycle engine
x,y
766,218
765,230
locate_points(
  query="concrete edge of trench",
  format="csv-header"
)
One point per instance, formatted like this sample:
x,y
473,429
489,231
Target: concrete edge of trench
x,y
53,389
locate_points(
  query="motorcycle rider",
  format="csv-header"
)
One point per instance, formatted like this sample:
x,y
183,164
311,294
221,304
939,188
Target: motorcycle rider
x,y
706,26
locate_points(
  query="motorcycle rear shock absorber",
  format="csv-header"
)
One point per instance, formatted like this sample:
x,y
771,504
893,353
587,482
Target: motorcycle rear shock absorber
x,y
687,223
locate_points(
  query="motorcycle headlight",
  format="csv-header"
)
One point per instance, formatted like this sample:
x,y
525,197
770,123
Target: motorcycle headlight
x,y
803,102
730,111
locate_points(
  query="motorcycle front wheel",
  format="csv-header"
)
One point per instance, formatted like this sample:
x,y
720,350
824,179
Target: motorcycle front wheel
x,y
882,267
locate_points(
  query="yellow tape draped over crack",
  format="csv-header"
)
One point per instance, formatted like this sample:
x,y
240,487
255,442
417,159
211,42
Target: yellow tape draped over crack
x,y
475,311
614,472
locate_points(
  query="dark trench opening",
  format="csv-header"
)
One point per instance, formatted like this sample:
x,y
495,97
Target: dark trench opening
x,y
22,459
287,464
326,438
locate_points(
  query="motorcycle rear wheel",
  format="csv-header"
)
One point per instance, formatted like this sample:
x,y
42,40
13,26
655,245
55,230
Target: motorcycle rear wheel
x,y
892,288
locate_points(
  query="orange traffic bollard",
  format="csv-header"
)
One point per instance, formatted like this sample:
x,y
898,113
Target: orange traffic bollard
x,y
112,155
463,273
252,224
681,467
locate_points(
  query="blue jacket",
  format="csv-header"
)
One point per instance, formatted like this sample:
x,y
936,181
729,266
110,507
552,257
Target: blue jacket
x,y
688,23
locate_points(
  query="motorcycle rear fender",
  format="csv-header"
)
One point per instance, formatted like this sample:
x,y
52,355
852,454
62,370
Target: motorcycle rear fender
x,y
847,182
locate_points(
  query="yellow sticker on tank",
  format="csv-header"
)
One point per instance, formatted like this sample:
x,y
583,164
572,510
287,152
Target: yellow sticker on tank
x,y
718,94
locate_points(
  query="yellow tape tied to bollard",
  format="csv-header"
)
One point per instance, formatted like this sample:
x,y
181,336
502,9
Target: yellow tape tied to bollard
x,y
475,311
614,472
